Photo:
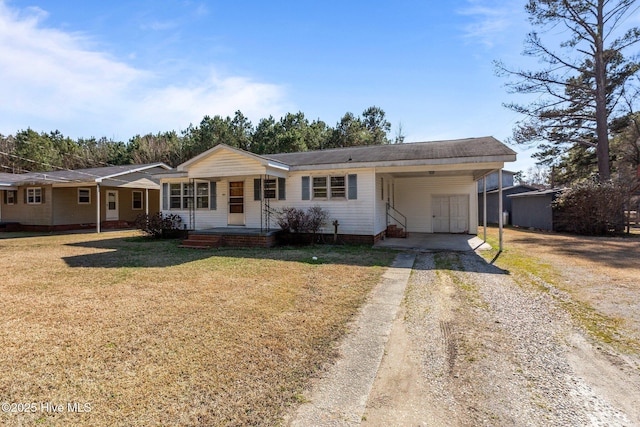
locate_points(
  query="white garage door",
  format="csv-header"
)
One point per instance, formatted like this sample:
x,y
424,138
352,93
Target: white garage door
x,y
450,213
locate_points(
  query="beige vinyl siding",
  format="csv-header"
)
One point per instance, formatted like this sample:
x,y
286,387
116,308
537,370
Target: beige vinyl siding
x,y
413,198
36,214
66,209
225,163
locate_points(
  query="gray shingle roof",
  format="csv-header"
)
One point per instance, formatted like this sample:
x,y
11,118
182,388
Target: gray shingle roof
x,y
77,175
458,148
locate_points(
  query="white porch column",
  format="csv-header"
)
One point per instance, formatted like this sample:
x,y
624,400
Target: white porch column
x,y
98,207
500,216
146,201
484,207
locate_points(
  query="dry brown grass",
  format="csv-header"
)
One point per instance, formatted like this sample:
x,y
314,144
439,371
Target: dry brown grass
x,y
599,277
150,334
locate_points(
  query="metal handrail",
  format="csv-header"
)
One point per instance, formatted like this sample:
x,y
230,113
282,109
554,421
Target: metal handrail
x,y
397,212
268,212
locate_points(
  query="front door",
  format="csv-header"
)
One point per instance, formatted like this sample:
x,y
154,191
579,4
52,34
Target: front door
x,y
112,205
236,203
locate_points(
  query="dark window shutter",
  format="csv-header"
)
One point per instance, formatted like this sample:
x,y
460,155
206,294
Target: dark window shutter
x,y
43,191
165,196
353,187
256,189
25,196
213,196
306,193
282,189
5,196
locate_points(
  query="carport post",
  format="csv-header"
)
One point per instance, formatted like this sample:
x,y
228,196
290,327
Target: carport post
x,y
484,207
500,215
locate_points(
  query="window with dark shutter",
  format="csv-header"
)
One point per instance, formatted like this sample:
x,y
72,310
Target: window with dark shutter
x,y
256,189
165,196
353,187
306,193
281,189
213,196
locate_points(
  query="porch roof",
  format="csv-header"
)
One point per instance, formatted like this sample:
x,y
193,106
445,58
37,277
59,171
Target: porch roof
x,y
116,176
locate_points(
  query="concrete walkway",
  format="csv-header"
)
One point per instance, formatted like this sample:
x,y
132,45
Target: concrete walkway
x,y
339,398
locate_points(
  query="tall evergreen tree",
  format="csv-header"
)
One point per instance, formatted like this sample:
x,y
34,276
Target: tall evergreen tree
x,y
582,80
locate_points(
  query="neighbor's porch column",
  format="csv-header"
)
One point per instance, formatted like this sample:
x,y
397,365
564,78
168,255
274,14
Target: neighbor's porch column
x,y
97,207
146,201
500,216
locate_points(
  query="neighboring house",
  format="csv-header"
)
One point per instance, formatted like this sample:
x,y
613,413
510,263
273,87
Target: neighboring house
x,y
492,202
533,209
109,196
492,181
422,187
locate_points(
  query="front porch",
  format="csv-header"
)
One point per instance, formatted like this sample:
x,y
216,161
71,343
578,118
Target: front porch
x,y
230,236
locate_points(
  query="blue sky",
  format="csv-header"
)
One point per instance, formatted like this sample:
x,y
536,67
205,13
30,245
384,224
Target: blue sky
x,y
122,68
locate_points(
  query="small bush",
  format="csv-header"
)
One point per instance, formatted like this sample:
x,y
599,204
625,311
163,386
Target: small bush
x,y
159,226
591,208
294,220
297,220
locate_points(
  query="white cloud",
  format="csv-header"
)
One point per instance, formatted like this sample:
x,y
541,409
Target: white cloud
x,y
51,79
491,21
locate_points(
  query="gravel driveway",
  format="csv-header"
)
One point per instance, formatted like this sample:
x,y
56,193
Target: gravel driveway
x,y
472,346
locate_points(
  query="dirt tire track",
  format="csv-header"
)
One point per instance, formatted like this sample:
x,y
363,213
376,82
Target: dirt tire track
x,y
486,351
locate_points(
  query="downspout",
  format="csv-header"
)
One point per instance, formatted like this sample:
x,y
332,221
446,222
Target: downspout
x,y
97,207
484,207
500,216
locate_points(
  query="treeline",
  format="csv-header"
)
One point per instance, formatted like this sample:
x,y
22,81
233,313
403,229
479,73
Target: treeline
x,y
29,150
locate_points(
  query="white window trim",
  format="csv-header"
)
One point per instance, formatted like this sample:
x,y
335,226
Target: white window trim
x,y
313,187
194,197
203,196
344,187
133,206
33,195
88,190
275,188
330,195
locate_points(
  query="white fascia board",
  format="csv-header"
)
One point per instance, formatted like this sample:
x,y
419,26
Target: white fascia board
x,y
473,162
134,170
281,166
